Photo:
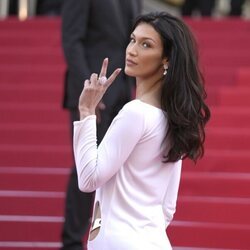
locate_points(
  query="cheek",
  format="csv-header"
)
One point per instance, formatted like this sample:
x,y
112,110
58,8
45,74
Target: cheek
x,y
151,63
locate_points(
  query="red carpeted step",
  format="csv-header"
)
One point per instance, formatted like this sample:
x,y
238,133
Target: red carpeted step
x,y
39,135
26,55
35,74
214,184
207,25
236,161
30,39
18,245
40,32
36,156
219,57
238,96
216,77
209,235
35,25
35,179
243,76
35,134
29,68
229,117
32,206
31,228
210,40
30,93
52,76
228,138
213,209
33,113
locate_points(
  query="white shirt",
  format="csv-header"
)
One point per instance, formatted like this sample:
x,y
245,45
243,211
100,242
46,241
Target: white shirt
x,y
136,190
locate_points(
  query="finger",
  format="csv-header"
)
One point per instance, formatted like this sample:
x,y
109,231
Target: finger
x,y
104,67
86,83
102,80
113,76
93,78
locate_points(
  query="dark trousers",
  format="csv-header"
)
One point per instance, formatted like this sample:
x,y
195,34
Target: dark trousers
x,y
78,207
205,7
236,7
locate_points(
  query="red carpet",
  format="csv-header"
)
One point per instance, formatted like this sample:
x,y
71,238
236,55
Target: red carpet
x,y
35,152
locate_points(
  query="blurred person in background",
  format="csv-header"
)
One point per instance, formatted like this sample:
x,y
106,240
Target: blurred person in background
x,y
203,7
13,7
91,31
49,7
236,7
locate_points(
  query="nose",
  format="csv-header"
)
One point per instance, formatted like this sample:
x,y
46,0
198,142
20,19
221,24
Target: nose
x,y
132,50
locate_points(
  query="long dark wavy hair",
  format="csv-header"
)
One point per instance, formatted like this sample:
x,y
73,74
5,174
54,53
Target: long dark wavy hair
x,y
183,92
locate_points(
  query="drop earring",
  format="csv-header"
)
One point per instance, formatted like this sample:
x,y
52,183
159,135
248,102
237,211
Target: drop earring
x,y
165,66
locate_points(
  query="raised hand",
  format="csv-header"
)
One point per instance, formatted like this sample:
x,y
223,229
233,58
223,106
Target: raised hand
x,y
94,89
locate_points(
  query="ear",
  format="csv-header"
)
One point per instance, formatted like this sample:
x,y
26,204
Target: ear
x,y
165,61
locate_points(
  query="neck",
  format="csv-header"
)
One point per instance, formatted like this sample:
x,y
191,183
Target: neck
x,y
149,90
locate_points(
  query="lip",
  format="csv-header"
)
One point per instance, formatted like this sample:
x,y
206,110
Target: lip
x,y
130,62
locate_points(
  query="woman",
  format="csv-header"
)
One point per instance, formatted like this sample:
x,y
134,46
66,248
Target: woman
x,y
136,169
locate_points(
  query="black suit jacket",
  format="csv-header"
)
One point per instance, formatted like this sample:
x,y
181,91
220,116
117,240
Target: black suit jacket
x,y
91,31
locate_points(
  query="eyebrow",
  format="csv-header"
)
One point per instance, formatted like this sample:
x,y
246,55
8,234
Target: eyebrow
x,y
144,38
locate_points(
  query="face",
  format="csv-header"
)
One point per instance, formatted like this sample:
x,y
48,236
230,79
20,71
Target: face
x,y
144,54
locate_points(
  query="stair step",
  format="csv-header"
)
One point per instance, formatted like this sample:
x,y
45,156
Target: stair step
x,y
30,69
213,210
35,25
228,138
222,76
229,117
209,235
18,245
213,183
243,76
30,39
35,134
224,57
31,228
32,206
35,56
36,77
35,179
219,26
217,42
238,96
17,93
236,161
36,156
27,113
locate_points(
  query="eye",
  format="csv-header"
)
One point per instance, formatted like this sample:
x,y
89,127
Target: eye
x,y
132,40
146,45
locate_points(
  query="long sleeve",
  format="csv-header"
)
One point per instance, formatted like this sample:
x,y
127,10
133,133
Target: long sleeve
x,y
96,165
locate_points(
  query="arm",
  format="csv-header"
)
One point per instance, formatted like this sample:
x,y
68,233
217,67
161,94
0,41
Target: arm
x,y
170,198
95,166
75,15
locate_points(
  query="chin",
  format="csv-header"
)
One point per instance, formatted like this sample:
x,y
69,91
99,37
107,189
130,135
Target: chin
x,y
129,72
